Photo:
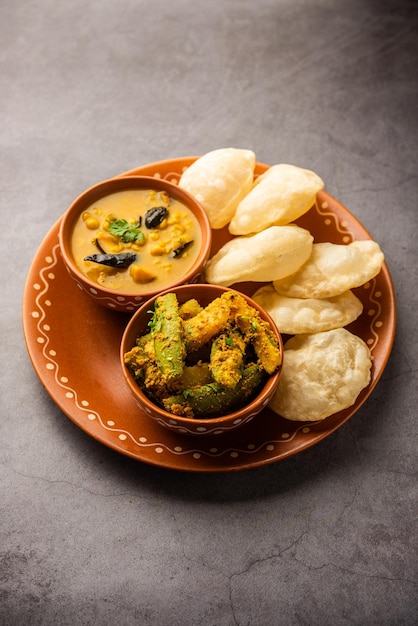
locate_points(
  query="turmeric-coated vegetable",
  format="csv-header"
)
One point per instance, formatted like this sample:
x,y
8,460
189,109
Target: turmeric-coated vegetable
x,y
227,358
213,399
204,361
166,336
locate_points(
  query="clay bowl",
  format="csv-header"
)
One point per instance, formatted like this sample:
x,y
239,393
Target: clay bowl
x,y
132,296
138,326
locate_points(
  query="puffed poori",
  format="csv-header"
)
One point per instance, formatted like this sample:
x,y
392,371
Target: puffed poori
x,y
268,255
219,180
323,373
279,196
333,269
295,316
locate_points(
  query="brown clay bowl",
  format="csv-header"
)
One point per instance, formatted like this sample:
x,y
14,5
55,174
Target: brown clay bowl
x,y
129,301
138,326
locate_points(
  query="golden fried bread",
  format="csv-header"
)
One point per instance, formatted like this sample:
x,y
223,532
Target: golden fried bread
x,y
273,253
219,180
322,374
279,196
333,269
295,316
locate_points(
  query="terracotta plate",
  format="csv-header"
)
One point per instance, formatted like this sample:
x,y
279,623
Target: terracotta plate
x,y
74,347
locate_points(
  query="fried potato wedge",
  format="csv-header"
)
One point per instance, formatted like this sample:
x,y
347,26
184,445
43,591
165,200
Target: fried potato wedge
x,y
279,196
322,374
333,269
219,180
273,253
295,316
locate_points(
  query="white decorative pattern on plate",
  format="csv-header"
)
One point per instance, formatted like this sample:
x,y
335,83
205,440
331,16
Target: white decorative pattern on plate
x,y
74,346
331,219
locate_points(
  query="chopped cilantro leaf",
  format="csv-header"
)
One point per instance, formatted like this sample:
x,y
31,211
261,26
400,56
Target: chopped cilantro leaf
x,y
126,231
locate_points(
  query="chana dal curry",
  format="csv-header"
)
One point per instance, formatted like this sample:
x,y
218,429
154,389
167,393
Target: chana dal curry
x,y
204,362
135,240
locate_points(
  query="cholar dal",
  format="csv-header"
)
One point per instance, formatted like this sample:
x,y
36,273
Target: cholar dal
x,y
135,240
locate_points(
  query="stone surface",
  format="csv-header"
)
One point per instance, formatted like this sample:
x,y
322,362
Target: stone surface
x,y
90,89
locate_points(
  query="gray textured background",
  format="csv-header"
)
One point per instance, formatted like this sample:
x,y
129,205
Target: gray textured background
x,y
90,89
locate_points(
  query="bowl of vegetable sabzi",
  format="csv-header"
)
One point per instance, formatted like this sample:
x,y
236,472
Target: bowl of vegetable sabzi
x,y
201,359
126,239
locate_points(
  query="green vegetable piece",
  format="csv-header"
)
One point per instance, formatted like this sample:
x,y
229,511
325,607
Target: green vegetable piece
x,y
166,334
212,400
262,339
267,349
140,360
189,309
227,358
195,376
199,329
138,357
136,360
